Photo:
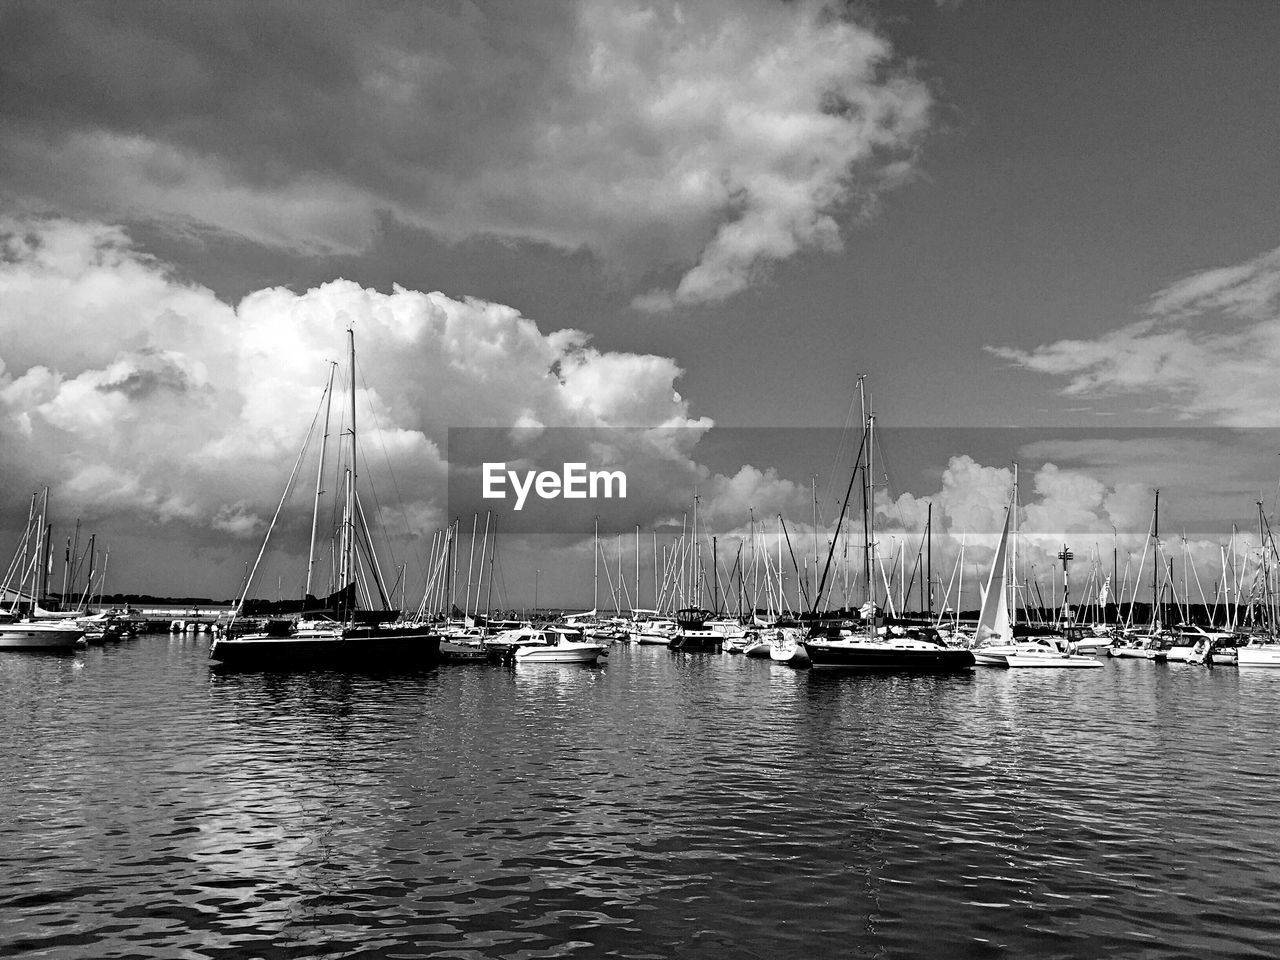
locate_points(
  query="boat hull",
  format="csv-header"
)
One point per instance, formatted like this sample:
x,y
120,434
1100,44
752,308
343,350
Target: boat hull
x,y
356,648
881,656
39,636
1264,656
1050,661
696,643
588,653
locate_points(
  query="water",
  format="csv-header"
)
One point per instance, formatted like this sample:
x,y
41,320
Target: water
x,y
660,806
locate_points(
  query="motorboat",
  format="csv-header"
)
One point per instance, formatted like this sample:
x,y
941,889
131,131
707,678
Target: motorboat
x,y
559,645
37,635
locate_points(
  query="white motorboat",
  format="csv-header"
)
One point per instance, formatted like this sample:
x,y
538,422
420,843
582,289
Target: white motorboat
x,y
559,646
1046,658
997,654
1140,647
657,633
35,635
1258,653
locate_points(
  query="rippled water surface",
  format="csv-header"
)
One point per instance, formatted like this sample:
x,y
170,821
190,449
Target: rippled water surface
x,y
661,805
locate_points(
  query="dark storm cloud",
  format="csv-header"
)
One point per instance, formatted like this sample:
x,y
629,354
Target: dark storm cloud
x,y
656,136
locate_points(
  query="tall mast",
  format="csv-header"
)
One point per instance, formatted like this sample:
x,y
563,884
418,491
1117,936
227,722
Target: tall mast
x,y
93,566
43,552
1155,563
866,487
928,526
1263,568
471,562
315,510
715,575
595,577
1012,579
348,549
813,482
488,599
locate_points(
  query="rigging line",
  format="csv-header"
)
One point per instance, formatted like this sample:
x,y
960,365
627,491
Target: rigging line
x,y
843,444
288,489
391,472
804,590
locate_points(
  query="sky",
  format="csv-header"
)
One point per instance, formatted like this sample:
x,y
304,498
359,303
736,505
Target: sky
x,y
1044,233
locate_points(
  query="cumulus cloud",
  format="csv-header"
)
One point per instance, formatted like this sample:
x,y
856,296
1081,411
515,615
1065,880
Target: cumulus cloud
x,y
1205,350
142,399
698,142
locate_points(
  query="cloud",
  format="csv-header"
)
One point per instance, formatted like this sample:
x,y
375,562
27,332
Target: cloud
x,y
698,143
1205,350
144,400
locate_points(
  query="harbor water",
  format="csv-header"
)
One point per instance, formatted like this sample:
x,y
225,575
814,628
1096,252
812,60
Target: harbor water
x,y
660,805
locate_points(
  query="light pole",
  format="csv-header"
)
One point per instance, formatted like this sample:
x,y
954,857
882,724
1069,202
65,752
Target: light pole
x,y
1066,556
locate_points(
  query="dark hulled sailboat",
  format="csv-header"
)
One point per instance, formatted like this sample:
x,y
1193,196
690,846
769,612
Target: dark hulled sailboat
x,y
348,638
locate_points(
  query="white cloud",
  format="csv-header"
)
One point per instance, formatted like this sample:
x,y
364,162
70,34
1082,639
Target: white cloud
x,y
153,402
1206,350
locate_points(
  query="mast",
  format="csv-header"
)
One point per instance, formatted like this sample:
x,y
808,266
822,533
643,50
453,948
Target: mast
x,y
488,599
635,604
102,582
471,561
866,521
347,572
484,549
742,593
450,559
315,510
1155,564
715,574
813,482
1266,575
93,569
928,526
1012,578
695,593
44,554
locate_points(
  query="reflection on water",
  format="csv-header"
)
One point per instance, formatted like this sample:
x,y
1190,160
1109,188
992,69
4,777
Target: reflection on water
x,y
657,805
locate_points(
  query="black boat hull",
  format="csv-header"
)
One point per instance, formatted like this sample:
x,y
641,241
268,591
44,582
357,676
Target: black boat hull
x,y
876,657
355,649
687,644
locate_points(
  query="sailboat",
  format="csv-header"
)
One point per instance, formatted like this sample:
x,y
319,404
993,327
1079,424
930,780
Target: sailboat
x,y
867,648
27,576
351,638
994,644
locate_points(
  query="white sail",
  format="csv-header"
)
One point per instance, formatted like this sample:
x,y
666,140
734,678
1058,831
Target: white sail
x,y
993,622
